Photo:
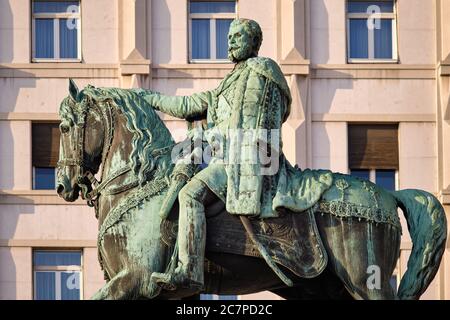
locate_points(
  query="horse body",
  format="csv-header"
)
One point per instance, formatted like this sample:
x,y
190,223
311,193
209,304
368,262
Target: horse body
x,y
132,244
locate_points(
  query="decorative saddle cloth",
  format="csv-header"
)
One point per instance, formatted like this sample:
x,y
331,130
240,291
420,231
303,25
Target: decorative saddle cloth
x,y
292,240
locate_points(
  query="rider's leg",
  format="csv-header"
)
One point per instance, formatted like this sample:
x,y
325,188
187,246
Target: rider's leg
x,y
193,198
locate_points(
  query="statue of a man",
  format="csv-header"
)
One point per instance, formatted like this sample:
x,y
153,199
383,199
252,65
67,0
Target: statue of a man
x,y
253,96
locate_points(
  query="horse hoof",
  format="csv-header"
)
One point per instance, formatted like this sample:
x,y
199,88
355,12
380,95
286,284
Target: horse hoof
x,y
164,280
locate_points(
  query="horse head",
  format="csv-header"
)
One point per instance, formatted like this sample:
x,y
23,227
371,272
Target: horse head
x,y
81,144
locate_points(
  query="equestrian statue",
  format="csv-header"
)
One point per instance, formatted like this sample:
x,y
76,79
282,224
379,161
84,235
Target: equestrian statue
x,y
176,221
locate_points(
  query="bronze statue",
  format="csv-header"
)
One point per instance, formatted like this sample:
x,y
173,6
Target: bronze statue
x,y
320,234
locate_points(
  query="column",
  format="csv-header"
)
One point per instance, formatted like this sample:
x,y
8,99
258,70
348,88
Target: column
x,y
135,66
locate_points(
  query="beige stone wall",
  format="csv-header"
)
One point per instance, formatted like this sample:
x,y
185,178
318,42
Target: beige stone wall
x,y
143,43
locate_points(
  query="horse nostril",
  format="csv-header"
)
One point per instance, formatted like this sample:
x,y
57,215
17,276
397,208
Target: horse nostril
x,y
60,189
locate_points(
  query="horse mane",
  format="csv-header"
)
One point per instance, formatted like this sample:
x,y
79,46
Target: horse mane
x,y
141,118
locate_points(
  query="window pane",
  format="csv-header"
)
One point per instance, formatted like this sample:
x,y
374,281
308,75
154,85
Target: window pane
x,y
359,48
364,6
222,28
57,258
386,179
70,286
363,174
45,286
56,6
212,6
201,38
383,40
44,38
44,178
68,38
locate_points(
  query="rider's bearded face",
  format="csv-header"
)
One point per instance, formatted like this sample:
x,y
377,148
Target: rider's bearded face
x,y
240,43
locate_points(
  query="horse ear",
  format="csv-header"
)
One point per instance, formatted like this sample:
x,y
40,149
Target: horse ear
x,y
73,89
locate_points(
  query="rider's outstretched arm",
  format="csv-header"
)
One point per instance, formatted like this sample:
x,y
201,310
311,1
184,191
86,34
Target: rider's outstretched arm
x,y
183,107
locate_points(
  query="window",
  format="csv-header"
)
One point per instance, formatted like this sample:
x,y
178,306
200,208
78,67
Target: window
x,y
45,155
371,31
373,153
56,31
209,22
384,178
57,275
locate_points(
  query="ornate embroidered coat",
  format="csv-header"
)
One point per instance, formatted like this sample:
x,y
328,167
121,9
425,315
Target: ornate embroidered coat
x,y
254,96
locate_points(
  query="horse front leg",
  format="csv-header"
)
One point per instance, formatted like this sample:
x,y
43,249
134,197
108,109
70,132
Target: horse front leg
x,y
128,285
122,286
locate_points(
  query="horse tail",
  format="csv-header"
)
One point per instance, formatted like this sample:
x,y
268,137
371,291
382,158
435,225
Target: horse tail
x,y
427,226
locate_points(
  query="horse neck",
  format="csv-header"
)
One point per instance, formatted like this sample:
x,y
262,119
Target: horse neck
x,y
117,157
118,149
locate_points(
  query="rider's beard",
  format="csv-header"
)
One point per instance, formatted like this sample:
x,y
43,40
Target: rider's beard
x,y
239,54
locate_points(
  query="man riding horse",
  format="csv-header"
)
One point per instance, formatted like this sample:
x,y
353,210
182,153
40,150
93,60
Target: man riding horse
x,y
253,98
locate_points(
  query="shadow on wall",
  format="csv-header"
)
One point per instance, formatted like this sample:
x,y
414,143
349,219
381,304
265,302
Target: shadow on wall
x,y
11,206
324,85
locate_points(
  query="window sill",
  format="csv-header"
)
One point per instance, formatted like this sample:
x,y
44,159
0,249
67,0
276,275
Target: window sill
x,y
373,61
39,60
199,61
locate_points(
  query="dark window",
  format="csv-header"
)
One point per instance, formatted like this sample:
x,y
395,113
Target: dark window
x,y
45,149
373,153
373,146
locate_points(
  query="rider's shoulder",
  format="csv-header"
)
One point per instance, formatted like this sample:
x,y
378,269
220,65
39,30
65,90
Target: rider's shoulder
x,y
263,65
269,69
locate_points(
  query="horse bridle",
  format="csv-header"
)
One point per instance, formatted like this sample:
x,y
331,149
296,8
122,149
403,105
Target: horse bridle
x,y
83,169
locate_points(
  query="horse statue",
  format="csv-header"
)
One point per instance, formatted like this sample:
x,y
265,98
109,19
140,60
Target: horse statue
x,y
345,247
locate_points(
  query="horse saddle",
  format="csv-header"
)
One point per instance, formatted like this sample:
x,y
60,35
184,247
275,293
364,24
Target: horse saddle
x,y
292,240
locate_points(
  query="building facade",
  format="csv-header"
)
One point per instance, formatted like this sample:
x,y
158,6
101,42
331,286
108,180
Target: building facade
x,y
373,69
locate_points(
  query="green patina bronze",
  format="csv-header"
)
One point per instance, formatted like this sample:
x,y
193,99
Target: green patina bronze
x,y
158,217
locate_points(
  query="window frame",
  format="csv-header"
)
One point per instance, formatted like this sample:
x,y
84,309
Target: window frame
x,y
212,17
371,37
56,44
58,270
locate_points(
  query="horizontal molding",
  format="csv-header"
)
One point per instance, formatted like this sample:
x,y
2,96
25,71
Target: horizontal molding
x,y
373,71
191,71
58,70
354,117
35,197
28,116
445,197
215,70
37,243
316,117
444,70
129,67
404,245
34,116
301,67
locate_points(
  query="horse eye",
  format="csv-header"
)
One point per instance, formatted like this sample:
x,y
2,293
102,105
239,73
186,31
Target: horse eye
x,y
64,128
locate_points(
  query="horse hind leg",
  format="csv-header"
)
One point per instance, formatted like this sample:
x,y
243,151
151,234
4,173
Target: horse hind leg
x,y
362,254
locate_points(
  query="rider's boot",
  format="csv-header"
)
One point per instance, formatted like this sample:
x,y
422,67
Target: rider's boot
x,y
191,241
